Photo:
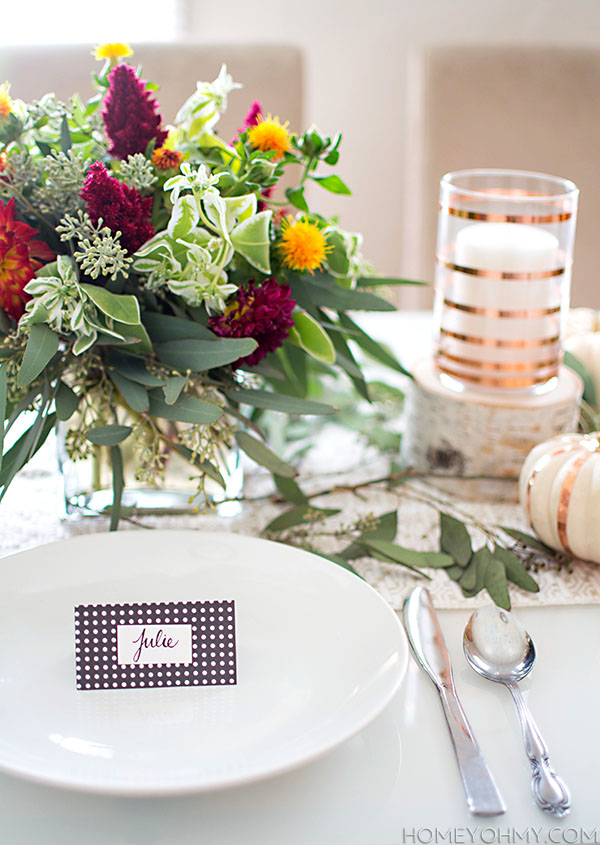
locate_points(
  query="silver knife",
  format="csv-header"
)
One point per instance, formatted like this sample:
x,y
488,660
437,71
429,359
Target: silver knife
x,y
427,642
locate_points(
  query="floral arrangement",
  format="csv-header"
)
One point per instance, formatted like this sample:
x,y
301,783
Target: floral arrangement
x,y
153,289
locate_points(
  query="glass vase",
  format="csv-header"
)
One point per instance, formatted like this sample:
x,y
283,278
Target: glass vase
x,y
88,483
504,259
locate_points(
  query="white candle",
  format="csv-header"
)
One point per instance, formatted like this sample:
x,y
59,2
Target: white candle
x,y
506,248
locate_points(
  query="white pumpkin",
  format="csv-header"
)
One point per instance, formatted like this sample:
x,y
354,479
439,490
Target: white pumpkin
x,y
559,488
581,321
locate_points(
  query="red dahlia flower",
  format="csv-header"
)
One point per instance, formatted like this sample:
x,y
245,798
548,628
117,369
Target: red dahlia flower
x,y
130,117
20,257
263,313
121,208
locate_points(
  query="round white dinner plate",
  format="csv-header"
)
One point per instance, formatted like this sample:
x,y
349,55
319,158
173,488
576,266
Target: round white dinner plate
x,y
319,655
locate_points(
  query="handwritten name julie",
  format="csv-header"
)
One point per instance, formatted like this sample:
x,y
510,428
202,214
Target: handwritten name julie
x,y
159,641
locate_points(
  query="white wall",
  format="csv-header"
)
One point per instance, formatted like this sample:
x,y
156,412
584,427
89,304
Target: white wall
x,y
355,77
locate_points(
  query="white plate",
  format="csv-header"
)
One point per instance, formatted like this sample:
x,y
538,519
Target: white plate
x,y
319,655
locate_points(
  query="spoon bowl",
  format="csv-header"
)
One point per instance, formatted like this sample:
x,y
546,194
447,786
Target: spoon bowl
x,y
497,648
499,671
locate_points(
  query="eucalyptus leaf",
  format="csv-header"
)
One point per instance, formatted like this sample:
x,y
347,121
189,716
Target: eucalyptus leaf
x,y
455,539
398,554
262,455
187,409
385,281
322,292
201,355
455,571
290,490
341,562
25,448
515,571
468,580
528,540
118,483
495,583
66,401
108,435
134,369
42,346
278,402
298,515
172,388
575,364
132,392
383,527
65,135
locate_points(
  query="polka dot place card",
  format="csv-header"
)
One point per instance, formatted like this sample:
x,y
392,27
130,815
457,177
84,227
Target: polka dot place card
x,y
163,644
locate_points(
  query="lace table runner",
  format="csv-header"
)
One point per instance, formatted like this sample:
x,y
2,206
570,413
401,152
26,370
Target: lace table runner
x,y
29,516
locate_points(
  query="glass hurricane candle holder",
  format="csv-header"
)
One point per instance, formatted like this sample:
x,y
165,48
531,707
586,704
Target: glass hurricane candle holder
x,y
503,277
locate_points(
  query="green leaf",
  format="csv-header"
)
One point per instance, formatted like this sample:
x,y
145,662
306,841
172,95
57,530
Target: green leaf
x,y
138,340
278,402
133,393
589,390
482,559
327,293
340,562
118,483
298,515
455,571
495,583
309,335
290,490
134,369
65,135
337,260
455,539
173,387
204,466
3,394
296,197
164,328
184,217
370,346
186,409
468,579
201,355
121,307
25,448
384,281
108,435
515,571
332,183
41,348
384,527
391,553
251,240
263,455
528,540
66,401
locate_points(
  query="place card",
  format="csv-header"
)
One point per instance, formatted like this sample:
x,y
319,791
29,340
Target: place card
x,y
162,644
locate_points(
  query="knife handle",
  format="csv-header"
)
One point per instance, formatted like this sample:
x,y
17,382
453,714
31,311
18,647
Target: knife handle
x,y
482,793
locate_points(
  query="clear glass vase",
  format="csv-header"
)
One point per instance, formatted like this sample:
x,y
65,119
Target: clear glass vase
x,y
88,483
504,259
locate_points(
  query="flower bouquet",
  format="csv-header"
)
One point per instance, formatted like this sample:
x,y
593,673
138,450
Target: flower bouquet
x,y
154,295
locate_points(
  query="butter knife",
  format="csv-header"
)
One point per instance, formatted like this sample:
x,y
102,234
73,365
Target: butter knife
x,y
428,645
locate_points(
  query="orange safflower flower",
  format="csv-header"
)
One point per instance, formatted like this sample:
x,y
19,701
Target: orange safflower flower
x,y
303,245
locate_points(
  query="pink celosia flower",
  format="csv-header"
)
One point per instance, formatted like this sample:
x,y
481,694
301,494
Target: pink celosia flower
x,y
130,114
251,119
121,208
263,313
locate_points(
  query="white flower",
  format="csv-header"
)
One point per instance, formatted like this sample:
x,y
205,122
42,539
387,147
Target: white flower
x,y
204,286
199,181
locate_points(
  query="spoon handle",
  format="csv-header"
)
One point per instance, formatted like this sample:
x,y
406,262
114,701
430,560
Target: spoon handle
x,y
549,791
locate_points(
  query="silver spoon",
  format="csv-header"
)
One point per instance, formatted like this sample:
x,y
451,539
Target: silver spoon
x,y
500,650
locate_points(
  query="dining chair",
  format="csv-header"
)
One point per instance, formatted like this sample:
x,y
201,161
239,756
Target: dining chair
x,y
517,107
270,73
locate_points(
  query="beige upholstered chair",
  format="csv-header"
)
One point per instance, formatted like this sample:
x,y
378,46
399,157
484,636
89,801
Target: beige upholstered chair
x,y
269,73
528,108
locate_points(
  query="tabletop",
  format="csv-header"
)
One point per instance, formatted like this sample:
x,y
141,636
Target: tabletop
x,y
395,781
